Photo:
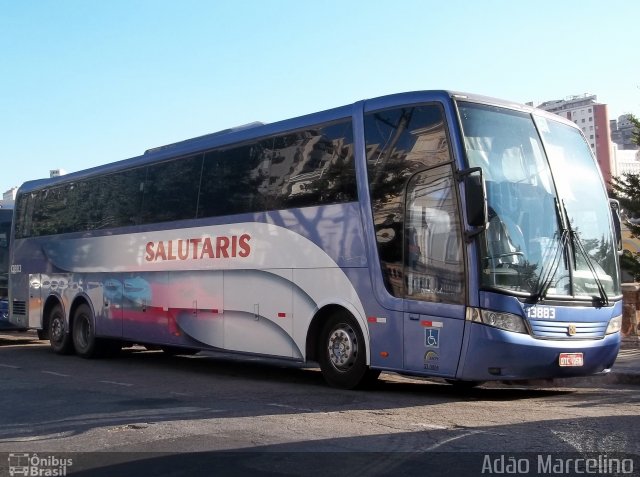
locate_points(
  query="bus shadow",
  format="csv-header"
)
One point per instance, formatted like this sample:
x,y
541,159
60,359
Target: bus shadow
x,y
144,387
269,370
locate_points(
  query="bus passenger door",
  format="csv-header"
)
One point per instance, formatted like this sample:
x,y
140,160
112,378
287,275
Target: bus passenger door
x,y
258,315
432,343
433,274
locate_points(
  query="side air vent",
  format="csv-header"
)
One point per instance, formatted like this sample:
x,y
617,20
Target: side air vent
x,y
19,307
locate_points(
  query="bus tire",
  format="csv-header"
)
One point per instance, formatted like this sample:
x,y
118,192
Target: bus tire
x,y
84,332
59,339
342,353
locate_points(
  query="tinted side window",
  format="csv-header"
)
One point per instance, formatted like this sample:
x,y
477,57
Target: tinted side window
x,y
115,199
244,174
434,267
24,214
171,190
399,142
313,167
213,196
234,180
51,211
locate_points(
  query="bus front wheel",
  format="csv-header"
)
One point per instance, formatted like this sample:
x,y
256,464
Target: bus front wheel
x,y
342,353
59,339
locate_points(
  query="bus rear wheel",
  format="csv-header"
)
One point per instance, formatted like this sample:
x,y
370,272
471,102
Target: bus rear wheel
x,y
59,339
342,353
84,332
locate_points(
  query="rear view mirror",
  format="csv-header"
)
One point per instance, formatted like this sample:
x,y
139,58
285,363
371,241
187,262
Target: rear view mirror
x,y
617,228
475,197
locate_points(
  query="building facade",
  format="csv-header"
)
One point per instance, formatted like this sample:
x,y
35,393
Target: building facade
x,y
627,161
8,198
622,132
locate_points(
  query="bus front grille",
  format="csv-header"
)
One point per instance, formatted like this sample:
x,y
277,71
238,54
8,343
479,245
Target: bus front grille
x,y
565,330
19,307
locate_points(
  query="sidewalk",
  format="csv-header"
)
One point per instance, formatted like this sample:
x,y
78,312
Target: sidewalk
x,y
626,369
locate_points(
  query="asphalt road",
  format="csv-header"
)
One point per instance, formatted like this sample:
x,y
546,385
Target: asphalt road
x,y
146,407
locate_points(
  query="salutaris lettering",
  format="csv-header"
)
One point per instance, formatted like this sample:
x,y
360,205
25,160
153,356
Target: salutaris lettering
x,y
200,248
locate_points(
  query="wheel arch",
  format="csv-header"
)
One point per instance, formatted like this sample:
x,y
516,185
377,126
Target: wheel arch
x,y
77,301
50,303
318,321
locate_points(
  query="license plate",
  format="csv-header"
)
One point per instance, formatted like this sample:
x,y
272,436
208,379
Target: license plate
x,y
571,359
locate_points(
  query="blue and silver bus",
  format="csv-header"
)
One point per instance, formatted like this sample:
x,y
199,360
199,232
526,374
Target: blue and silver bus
x,y
429,233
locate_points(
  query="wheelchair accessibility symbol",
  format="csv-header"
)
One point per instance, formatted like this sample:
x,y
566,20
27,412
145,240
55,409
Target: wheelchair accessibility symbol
x,y
432,337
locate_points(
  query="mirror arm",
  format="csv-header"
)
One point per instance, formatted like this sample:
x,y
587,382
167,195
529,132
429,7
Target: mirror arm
x,y
469,235
460,175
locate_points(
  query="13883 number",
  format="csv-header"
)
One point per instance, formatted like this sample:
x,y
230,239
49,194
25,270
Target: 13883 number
x,y
541,312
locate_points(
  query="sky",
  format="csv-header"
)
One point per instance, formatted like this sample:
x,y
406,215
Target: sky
x,y
88,82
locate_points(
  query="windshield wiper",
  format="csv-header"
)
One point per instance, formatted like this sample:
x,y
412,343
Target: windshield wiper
x,y
575,239
546,279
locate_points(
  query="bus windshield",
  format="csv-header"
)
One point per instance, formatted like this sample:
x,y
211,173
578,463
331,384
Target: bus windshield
x,y
547,235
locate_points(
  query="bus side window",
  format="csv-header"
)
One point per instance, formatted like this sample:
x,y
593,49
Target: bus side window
x,y
171,190
434,268
399,142
313,167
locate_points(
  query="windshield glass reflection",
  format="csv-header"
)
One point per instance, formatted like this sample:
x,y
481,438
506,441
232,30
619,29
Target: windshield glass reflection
x,y
526,245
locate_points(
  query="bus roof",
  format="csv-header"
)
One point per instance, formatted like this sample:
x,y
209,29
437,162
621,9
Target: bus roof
x,y
256,130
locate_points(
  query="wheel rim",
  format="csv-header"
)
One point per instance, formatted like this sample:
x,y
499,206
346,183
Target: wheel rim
x,y
343,347
57,330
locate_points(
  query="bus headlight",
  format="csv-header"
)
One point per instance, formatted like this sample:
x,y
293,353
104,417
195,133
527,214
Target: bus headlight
x,y
615,325
503,321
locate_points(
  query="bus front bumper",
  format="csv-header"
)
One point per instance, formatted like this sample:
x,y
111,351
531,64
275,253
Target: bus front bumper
x,y
490,354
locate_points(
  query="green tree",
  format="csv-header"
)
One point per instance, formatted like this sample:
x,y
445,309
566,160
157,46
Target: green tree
x,y
626,189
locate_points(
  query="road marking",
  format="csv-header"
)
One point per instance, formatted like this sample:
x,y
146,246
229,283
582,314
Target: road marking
x,y
9,366
446,441
284,406
430,426
42,437
56,374
117,383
